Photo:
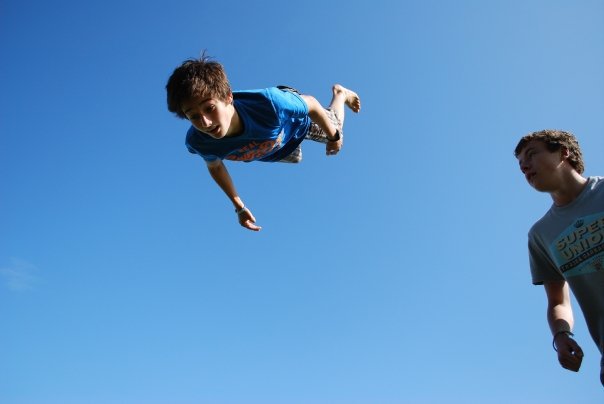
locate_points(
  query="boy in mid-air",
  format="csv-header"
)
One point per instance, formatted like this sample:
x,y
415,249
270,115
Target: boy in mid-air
x,y
265,125
566,246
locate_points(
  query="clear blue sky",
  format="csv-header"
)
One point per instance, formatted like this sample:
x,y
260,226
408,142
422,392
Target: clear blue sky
x,y
396,272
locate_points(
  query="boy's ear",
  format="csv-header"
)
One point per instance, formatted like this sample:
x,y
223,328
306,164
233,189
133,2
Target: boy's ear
x,y
564,152
230,98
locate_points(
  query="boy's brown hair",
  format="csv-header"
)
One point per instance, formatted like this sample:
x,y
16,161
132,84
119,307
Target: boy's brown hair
x,y
554,140
201,77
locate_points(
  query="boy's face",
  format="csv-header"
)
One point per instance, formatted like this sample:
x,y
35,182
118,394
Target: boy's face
x,y
210,115
542,168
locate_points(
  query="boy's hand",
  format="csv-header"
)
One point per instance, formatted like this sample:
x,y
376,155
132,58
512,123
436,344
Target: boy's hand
x,y
247,220
570,354
333,147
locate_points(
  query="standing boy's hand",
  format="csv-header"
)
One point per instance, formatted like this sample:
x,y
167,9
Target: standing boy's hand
x,y
247,220
570,354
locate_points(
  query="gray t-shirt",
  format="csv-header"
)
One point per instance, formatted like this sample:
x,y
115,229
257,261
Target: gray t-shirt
x,y
568,244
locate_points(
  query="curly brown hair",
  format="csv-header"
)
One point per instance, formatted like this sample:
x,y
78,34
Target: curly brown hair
x,y
554,140
201,77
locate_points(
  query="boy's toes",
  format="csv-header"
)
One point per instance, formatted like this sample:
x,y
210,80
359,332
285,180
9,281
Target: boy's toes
x,y
353,101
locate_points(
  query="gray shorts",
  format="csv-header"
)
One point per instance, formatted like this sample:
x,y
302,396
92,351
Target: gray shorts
x,y
316,134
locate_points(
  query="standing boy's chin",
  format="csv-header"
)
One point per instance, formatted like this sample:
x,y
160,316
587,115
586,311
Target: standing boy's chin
x,y
539,187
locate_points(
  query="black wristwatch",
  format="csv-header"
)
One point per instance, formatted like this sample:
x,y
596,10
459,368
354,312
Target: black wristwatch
x,y
336,137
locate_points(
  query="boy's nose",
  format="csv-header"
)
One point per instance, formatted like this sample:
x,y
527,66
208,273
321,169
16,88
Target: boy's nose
x,y
206,122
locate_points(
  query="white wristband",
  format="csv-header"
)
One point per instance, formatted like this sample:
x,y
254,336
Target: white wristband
x,y
240,210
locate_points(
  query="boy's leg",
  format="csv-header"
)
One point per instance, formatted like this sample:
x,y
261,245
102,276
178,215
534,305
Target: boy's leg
x,y
335,111
343,96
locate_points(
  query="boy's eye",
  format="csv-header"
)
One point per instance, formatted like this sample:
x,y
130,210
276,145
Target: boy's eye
x,y
210,108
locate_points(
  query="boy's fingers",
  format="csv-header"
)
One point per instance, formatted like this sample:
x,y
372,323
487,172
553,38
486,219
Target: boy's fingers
x,y
571,360
578,355
333,148
249,225
576,348
248,221
331,152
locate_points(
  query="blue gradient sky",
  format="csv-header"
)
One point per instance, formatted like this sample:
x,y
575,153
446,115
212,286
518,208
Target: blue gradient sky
x,y
395,272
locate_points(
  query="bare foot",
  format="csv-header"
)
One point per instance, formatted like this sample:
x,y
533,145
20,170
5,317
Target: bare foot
x,y
352,100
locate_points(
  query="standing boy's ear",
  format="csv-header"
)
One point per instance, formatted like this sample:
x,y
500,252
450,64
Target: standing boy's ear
x,y
564,152
230,98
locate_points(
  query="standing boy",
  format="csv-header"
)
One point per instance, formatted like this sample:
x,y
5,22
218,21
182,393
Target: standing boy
x,y
566,246
265,125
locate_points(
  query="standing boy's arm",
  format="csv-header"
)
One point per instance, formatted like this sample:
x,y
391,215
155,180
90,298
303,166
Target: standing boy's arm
x,y
560,319
221,176
317,114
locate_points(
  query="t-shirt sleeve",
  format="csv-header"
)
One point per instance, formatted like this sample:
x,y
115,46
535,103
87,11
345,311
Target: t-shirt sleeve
x,y
208,158
543,268
192,147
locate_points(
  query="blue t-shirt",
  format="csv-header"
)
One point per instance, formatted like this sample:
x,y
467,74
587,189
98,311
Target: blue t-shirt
x,y
274,124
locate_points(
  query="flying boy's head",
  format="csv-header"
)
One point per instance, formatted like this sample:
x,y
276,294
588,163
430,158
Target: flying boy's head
x,y
194,79
554,140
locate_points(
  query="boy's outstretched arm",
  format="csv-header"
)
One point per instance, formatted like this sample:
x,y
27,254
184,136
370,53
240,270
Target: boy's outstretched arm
x,y
221,176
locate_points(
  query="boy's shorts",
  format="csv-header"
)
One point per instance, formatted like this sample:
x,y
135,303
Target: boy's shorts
x,y
315,133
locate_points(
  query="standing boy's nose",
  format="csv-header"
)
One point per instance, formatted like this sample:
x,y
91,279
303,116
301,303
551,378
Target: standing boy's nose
x,y
522,162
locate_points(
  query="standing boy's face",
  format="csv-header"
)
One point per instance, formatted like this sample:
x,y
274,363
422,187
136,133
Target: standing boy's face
x,y
542,168
210,115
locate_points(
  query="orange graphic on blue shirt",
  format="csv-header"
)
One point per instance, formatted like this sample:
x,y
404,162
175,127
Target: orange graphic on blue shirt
x,y
256,150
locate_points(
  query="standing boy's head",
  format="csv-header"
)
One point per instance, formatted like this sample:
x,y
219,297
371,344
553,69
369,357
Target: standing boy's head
x,y
545,155
555,140
194,79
